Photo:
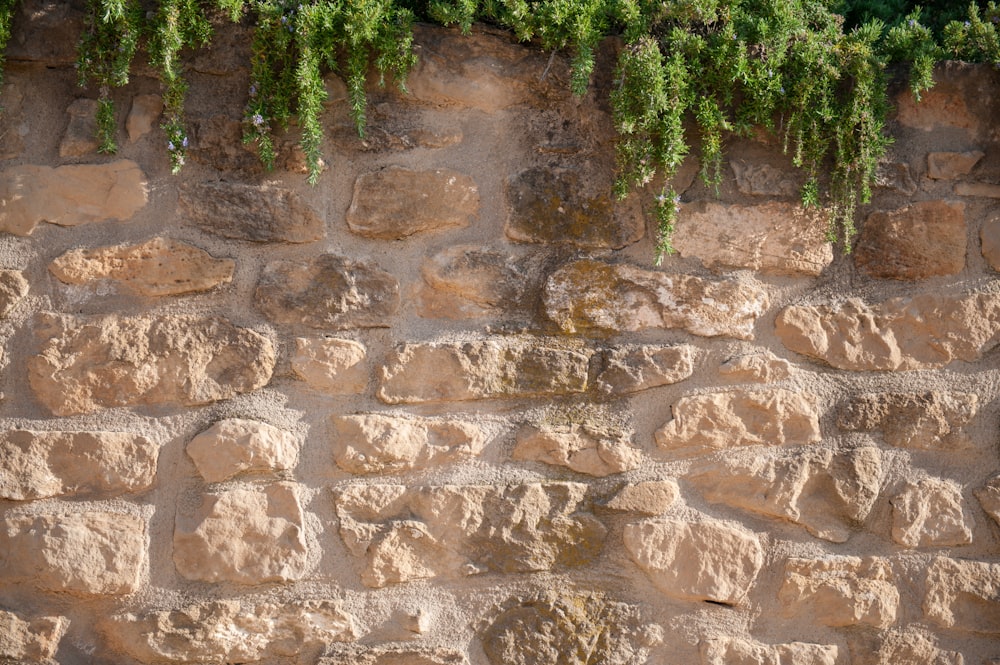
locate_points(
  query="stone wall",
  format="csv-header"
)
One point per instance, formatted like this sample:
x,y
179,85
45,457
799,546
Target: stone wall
x,y
442,409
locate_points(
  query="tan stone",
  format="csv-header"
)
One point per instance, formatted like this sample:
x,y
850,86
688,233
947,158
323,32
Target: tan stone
x,y
48,34
500,367
578,449
235,445
774,238
376,443
86,554
469,281
980,189
333,366
737,651
37,465
230,631
942,107
930,513
903,647
757,179
34,640
840,591
142,116
895,176
258,213
951,165
157,267
394,655
395,203
90,363
760,367
13,288
696,560
989,498
927,331
649,497
989,236
828,494
630,369
922,240
69,195
925,421
588,295
718,421
244,536
80,137
963,595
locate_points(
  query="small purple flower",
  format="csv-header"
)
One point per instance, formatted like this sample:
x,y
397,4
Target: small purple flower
x,y
966,24
257,119
184,143
170,146
253,90
911,23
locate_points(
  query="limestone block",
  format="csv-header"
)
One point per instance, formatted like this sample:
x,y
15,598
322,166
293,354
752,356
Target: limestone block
x,y
588,295
696,560
930,513
37,465
376,443
157,267
90,363
896,177
774,238
718,421
13,288
964,595
940,108
649,497
48,34
329,292
840,591
737,651
901,647
333,366
236,445
761,367
922,240
761,179
33,640
500,367
578,448
469,281
634,368
142,116
230,631
80,137
981,189
826,493
989,498
394,655
952,165
395,203
244,536
927,331
989,236
69,195
933,420
258,213
85,554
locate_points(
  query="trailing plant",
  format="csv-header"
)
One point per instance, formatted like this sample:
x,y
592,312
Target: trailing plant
x,y
6,18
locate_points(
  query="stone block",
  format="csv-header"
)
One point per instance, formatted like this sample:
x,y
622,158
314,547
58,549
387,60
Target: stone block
x,y
934,420
737,651
759,367
469,281
142,117
922,240
634,368
964,595
989,236
329,365
761,179
648,497
578,448
393,655
930,513
910,645
952,165
31,640
841,591
236,445
13,288
80,137
989,498
257,213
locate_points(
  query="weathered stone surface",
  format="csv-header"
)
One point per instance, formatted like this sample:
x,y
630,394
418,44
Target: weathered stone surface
x,y
951,165
235,445
760,367
989,498
493,368
258,213
34,640
989,235
547,205
376,443
334,366
13,288
92,553
774,238
395,203
245,536
941,108
49,33
841,591
87,364
69,195
895,176
930,513
826,493
918,241
964,595
36,465
696,560
329,292
717,421
394,655
230,631
469,281
932,420
588,295
757,179
981,189
80,137
736,651
157,267
923,332
904,647
630,369
452,530
142,116
578,448
649,497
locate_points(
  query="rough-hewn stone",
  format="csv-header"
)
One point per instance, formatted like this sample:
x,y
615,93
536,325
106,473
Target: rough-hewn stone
x,y
696,560
236,445
329,292
989,498
930,513
394,655
932,420
903,647
737,651
588,295
258,213
941,108
826,493
69,195
989,236
951,165
33,640
717,421
648,497
630,369
36,465
964,595
503,367
243,535
13,288
895,176
142,116
774,238
469,281
981,189
923,332
80,137
922,240
333,366
757,179
578,448
376,443
157,267
89,363
87,554
395,203
230,631
841,591
760,367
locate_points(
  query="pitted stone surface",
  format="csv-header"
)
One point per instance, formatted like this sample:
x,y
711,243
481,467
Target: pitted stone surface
x,y
964,595
930,513
631,369
649,497
762,367
989,498
333,366
904,646
13,288
577,448
394,655
469,281
922,240
952,165
237,445
143,115
933,420
841,591
258,213
764,180
736,651
989,236
30,640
